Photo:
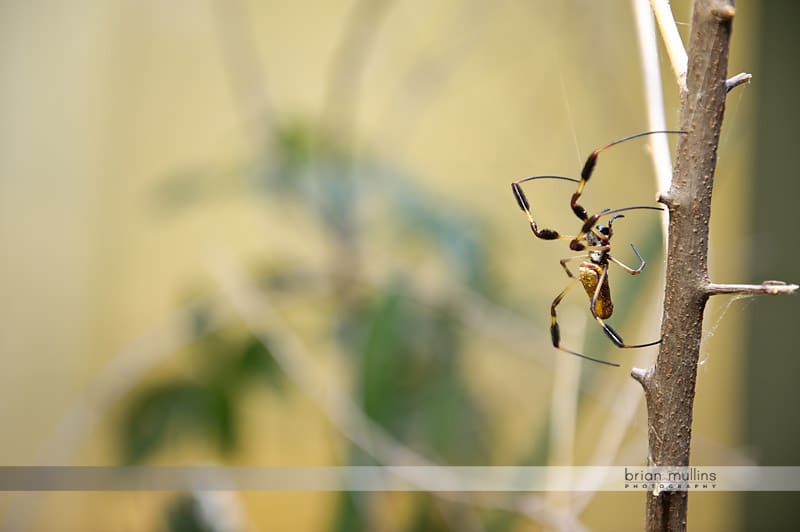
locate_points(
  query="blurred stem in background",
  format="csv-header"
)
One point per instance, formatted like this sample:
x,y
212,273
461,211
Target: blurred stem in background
x,y
336,142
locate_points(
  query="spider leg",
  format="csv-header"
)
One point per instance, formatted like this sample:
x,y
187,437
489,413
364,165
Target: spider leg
x,y
570,259
591,162
524,204
610,332
555,332
589,224
632,271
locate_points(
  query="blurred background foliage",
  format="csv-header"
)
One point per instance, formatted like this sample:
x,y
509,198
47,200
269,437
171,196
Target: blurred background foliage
x,y
233,228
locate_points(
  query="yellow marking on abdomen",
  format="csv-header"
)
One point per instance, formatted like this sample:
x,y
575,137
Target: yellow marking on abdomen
x,y
589,275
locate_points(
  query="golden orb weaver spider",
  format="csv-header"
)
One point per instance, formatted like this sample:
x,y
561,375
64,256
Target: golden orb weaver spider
x,y
596,241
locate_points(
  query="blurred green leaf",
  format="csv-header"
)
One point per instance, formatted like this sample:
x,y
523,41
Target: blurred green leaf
x,y
257,363
227,361
455,234
349,515
335,186
500,520
426,518
289,165
203,407
410,380
382,362
176,409
184,515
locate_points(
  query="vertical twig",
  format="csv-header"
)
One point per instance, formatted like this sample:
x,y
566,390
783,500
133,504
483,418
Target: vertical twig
x,y
672,41
670,385
656,121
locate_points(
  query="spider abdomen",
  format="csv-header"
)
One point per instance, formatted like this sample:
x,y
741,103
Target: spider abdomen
x,y
589,275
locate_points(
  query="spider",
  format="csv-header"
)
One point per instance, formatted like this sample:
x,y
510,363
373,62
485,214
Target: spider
x,y
596,241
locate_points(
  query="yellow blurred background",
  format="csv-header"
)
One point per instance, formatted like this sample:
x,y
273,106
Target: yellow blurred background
x,y
329,161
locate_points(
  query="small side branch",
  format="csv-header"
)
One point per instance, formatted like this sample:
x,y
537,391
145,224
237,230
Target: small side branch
x,y
767,287
738,79
642,376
